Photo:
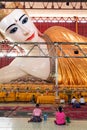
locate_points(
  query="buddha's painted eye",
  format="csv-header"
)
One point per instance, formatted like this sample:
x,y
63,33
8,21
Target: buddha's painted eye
x,y
13,30
25,20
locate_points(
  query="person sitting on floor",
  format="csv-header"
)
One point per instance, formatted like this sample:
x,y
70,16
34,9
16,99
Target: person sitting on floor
x,y
73,100
60,117
82,100
37,113
33,99
62,101
76,104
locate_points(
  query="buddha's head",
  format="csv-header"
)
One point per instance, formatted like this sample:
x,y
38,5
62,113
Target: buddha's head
x,y
16,25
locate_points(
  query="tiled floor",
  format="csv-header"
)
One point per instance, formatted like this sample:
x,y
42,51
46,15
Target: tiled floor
x,y
22,124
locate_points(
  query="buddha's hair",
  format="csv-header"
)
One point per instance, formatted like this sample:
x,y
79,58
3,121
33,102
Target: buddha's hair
x,y
10,6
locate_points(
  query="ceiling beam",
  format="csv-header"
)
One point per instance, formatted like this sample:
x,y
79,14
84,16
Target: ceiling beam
x,y
44,0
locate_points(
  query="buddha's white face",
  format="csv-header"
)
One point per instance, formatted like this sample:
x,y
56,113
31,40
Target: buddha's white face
x,y
18,27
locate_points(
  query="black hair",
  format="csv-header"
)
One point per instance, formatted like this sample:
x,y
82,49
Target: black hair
x,y
37,105
81,95
60,108
73,96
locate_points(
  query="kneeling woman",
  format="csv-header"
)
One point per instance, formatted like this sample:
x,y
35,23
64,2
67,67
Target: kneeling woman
x,y
37,113
60,117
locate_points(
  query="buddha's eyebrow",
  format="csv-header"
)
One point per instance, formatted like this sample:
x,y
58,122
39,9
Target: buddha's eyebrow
x,y
10,26
21,17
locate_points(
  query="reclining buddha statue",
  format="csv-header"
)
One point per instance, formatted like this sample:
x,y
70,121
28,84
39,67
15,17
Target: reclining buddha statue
x,y
16,26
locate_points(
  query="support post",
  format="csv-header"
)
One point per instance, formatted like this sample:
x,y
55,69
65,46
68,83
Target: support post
x,y
56,75
56,71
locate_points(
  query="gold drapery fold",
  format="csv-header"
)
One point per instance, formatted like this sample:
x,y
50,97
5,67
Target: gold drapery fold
x,y
71,71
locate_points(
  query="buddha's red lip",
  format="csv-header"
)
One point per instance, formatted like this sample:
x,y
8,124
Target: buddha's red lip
x,y
29,38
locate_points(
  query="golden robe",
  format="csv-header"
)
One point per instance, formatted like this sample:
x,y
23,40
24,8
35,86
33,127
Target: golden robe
x,y
71,71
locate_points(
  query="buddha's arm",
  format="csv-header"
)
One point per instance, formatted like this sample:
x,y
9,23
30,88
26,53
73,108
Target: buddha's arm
x,y
9,73
37,67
